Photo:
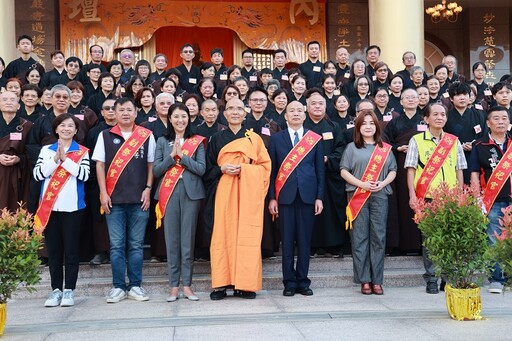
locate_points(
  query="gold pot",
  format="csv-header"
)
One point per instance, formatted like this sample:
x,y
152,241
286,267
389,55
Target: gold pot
x,y
3,317
463,304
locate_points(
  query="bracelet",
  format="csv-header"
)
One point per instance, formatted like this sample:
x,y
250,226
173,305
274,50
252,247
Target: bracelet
x,y
148,186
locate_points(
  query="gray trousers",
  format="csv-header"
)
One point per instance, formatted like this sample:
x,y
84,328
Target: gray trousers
x,y
180,222
369,241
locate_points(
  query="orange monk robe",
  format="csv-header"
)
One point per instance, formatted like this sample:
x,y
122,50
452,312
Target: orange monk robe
x,y
235,249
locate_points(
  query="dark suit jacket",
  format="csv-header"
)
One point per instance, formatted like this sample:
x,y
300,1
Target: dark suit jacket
x,y
308,177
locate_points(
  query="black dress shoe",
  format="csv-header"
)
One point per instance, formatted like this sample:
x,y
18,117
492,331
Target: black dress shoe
x,y
218,294
432,288
289,292
244,294
305,291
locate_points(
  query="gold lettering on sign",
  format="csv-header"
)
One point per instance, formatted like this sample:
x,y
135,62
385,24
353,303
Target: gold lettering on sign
x,y
89,9
309,7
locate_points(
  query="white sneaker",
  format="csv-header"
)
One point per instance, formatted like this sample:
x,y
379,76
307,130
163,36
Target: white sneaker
x,y
496,288
54,298
138,294
67,298
115,295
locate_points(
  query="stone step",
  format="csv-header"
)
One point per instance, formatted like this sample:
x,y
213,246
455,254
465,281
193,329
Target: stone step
x,y
324,273
316,264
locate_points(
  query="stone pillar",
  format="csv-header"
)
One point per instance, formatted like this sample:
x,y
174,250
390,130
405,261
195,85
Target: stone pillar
x,y
7,27
396,26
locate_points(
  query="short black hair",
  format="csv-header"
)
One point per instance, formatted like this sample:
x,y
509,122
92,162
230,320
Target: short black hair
x,y
313,42
123,100
371,47
74,59
280,51
494,109
96,45
458,88
186,45
24,36
217,50
34,87
247,51
500,85
61,118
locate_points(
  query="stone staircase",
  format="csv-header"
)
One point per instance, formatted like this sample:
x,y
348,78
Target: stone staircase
x,y
324,273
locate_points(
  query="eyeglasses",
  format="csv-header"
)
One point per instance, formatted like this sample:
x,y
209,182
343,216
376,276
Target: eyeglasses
x,y
61,96
363,84
382,96
73,65
410,97
95,71
188,51
126,55
382,70
258,100
108,108
232,93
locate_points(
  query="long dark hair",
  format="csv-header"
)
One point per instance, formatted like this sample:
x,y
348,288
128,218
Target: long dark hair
x,y
170,134
358,137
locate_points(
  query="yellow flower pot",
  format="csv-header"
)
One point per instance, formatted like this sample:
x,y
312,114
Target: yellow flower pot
x,y
3,317
463,304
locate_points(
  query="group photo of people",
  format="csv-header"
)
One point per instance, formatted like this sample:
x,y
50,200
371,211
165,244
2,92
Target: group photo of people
x,y
233,165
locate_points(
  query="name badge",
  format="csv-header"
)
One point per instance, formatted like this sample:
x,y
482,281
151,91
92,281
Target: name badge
x,y
421,127
253,79
374,78
284,77
477,128
350,125
327,135
487,92
446,95
479,106
316,69
509,127
151,119
347,75
337,92
179,99
223,77
15,136
387,118
265,131
192,80
80,117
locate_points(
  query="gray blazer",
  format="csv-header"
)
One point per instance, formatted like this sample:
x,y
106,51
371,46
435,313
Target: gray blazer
x,y
195,167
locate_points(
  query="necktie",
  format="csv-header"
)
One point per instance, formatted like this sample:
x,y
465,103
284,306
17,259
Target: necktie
x,y
296,138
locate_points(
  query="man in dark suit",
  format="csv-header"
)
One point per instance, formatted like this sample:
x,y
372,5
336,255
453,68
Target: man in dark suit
x,y
296,193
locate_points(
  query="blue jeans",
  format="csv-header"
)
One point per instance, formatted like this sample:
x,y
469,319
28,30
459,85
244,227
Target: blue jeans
x,y
494,226
126,229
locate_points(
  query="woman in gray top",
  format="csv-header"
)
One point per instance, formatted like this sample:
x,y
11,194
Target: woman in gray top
x,y
369,226
180,213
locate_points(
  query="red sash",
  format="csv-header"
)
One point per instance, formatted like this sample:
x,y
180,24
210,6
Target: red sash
x,y
497,180
172,176
434,163
124,155
294,157
56,183
371,173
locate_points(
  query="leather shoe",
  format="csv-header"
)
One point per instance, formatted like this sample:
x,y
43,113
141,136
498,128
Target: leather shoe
x,y
244,294
305,291
365,289
218,294
289,292
432,288
377,289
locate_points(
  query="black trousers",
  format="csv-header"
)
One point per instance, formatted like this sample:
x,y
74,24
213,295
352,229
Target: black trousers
x,y
62,239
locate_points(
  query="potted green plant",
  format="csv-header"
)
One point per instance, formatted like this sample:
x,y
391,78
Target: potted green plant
x,y
502,251
454,228
19,262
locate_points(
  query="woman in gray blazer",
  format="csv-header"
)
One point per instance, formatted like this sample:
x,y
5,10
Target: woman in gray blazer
x,y
180,163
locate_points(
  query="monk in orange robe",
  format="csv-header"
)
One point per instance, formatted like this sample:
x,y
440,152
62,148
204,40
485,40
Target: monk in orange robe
x,y
238,161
